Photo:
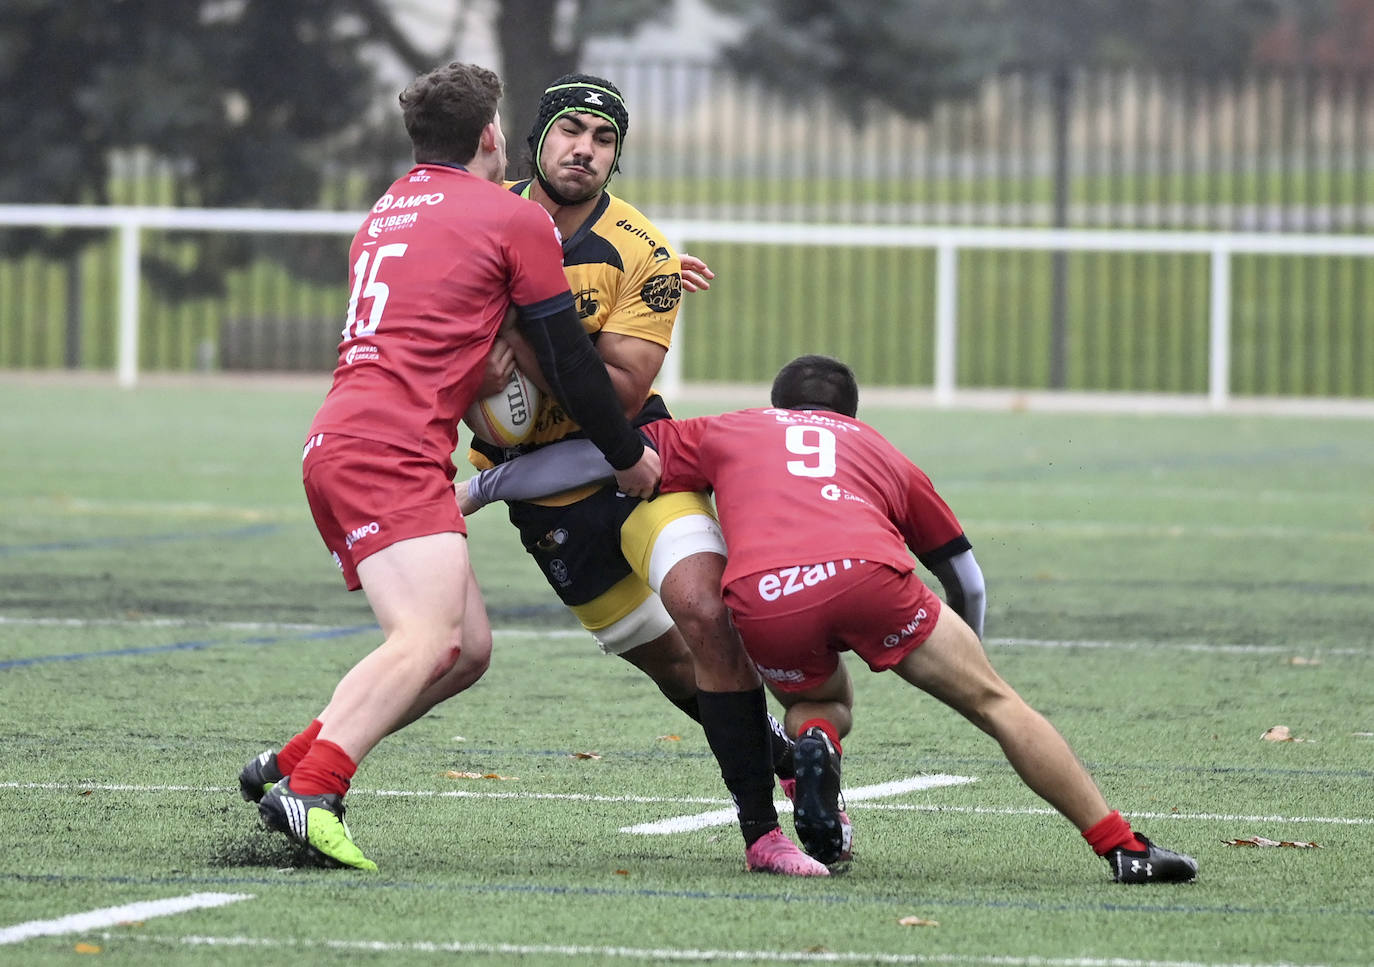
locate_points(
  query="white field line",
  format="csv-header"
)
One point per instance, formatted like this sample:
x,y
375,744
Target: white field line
x,y
568,633
856,804
404,793
109,916
723,817
1129,813
668,954
20,622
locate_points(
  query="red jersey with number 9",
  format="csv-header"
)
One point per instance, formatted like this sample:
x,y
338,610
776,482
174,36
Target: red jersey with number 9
x,y
441,257
804,487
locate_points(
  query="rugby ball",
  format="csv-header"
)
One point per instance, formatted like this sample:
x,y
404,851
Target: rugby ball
x,y
506,418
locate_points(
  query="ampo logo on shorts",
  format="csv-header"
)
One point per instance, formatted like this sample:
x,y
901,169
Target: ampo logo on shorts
x,y
792,675
909,629
358,533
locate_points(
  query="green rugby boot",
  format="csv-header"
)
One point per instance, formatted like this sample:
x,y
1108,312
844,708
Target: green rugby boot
x,y
316,823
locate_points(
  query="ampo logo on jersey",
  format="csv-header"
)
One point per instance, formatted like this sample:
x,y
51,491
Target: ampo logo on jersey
x,y
390,202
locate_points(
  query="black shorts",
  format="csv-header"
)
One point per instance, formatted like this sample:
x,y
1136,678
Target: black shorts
x,y
577,546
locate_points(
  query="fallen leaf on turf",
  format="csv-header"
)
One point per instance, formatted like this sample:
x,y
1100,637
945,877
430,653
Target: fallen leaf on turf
x,y
918,922
1261,841
1300,660
452,774
669,738
87,948
622,872
584,755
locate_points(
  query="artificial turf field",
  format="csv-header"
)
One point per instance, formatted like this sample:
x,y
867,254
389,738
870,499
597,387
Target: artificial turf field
x,y
1164,588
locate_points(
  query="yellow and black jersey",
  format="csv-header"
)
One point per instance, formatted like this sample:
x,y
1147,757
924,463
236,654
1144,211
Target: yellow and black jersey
x,y
625,279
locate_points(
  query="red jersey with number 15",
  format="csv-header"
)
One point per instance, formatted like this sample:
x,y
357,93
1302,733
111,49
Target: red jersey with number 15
x,y
804,487
432,271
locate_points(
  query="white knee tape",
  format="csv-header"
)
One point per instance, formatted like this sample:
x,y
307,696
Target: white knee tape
x,y
680,539
645,623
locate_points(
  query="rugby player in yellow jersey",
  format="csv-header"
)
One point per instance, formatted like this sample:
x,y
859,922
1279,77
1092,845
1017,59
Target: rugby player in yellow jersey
x,y
643,577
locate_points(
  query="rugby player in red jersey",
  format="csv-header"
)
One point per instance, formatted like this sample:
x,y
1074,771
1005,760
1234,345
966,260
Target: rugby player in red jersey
x,y
821,517
433,271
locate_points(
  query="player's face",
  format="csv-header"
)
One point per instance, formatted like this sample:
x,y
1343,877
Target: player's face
x,y
579,152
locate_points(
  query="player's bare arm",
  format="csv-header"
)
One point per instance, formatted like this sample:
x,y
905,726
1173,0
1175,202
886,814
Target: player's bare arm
x,y
633,365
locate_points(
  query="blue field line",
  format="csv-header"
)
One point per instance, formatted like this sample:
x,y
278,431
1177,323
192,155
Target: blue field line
x,y
234,533
185,646
333,880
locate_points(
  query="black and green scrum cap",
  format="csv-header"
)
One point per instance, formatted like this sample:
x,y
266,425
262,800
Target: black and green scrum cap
x,y
580,94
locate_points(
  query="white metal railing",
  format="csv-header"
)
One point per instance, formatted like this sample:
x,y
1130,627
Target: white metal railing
x,y
947,242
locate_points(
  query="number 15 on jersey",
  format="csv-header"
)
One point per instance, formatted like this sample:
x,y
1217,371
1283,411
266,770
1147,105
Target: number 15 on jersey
x,y
355,328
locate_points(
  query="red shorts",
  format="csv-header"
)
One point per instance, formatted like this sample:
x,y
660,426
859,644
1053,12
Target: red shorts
x,y
366,495
795,621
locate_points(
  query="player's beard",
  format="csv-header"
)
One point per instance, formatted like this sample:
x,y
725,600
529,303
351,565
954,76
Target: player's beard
x,y
577,198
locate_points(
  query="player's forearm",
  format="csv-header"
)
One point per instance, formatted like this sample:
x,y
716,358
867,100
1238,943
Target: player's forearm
x,y
579,381
965,592
548,470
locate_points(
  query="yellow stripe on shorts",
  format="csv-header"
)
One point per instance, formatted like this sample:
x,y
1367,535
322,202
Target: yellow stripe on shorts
x,y
637,537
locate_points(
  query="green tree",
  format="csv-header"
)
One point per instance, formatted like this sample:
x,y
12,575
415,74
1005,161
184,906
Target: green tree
x,y
539,40
907,54
241,99
242,95
1204,36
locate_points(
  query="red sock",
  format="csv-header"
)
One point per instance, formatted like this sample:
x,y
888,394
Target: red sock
x,y
295,750
825,727
326,768
1109,833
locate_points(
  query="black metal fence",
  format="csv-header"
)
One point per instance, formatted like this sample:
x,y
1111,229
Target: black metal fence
x,y
1281,150
1275,150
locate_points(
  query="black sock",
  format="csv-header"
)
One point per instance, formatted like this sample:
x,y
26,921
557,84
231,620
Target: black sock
x,y
689,706
736,726
783,766
777,735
